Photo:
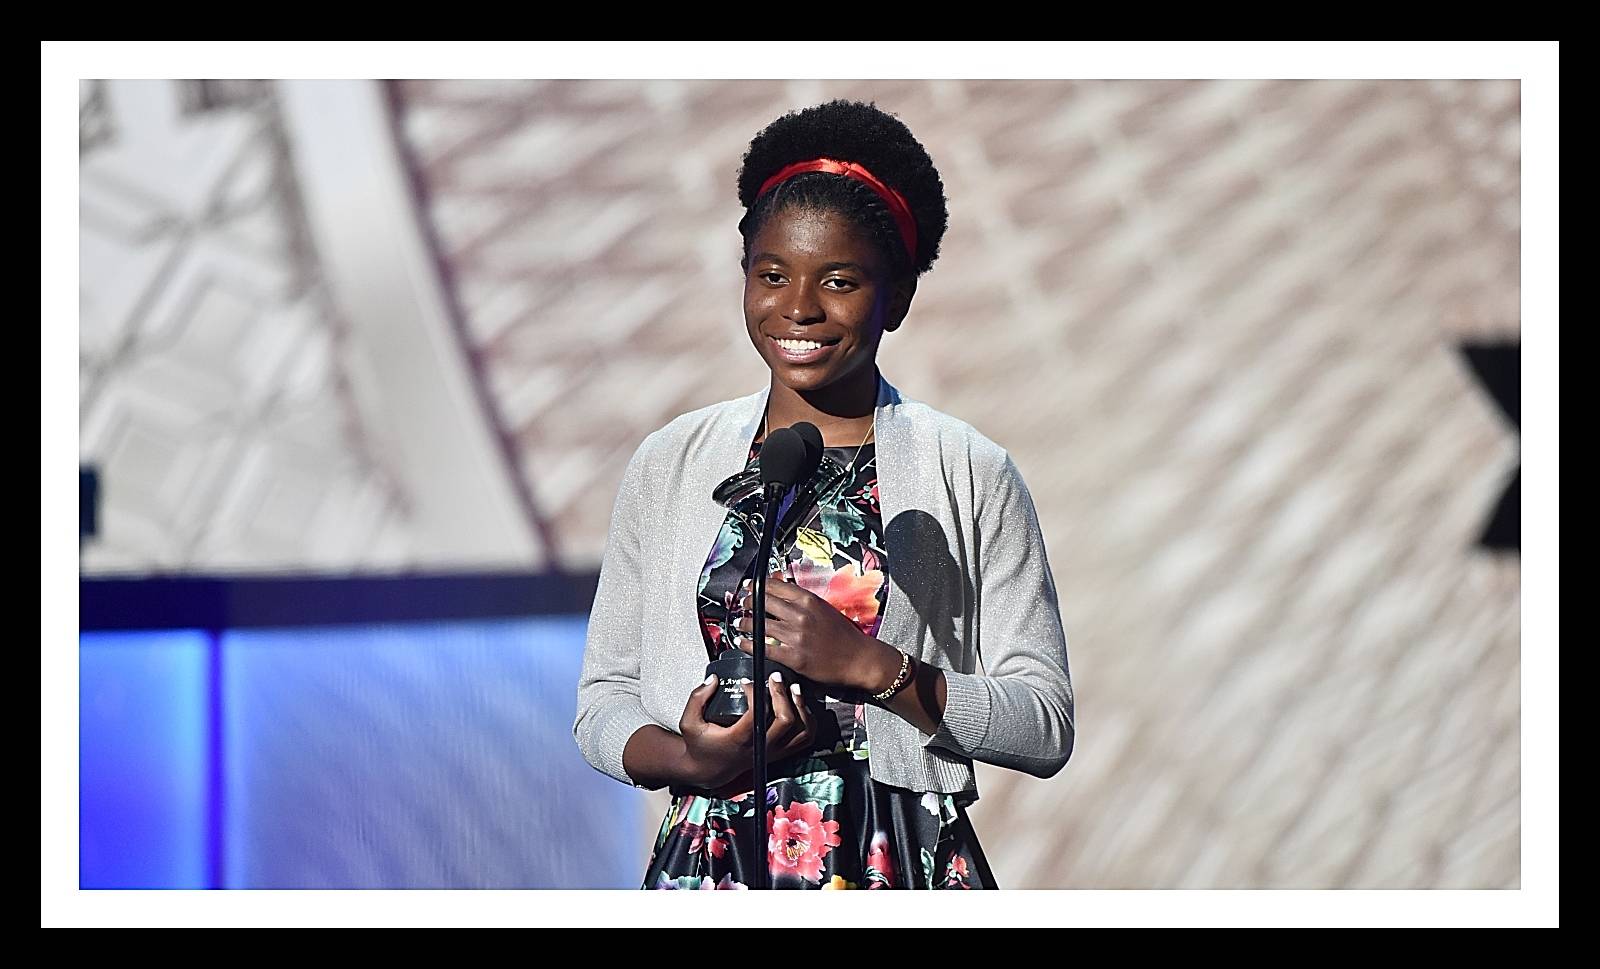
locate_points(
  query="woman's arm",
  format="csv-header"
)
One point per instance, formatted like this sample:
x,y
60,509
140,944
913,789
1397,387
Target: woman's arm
x,y
610,712
656,757
922,701
1019,712
659,758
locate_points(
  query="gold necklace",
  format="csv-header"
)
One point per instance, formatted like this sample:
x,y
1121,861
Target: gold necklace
x,y
766,429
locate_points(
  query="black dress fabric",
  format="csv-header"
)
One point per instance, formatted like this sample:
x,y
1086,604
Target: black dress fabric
x,y
829,824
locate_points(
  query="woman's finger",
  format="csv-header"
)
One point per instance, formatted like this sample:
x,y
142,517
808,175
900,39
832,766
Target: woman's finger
x,y
746,723
775,641
785,721
798,739
777,607
694,711
775,631
807,721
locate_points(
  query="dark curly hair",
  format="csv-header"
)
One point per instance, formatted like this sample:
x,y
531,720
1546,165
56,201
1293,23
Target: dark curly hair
x,y
849,131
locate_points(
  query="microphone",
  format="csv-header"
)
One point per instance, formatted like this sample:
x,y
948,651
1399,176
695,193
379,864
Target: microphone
x,y
747,483
808,432
790,455
787,458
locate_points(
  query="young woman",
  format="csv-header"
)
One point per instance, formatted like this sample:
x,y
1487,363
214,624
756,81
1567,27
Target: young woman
x,y
915,551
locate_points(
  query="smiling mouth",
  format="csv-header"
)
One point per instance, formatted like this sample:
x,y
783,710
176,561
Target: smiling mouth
x,y
826,343
805,355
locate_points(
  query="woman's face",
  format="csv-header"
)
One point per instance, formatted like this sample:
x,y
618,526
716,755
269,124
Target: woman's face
x,y
814,276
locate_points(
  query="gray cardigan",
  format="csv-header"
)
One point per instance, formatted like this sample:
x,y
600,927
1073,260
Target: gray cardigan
x,y
968,578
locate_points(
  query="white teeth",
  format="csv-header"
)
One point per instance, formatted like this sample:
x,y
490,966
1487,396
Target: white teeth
x,y
799,344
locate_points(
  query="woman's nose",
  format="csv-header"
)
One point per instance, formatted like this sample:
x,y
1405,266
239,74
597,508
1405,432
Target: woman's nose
x,y
804,307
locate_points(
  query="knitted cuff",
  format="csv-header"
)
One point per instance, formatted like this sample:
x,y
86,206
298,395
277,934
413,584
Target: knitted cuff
x,y
967,705
618,727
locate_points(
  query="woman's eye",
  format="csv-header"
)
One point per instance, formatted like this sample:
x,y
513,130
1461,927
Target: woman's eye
x,y
776,278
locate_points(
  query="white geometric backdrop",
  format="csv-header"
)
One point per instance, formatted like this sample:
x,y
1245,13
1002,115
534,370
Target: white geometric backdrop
x,y
1215,322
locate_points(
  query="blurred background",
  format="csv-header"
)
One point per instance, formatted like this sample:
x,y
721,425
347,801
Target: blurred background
x,y
361,364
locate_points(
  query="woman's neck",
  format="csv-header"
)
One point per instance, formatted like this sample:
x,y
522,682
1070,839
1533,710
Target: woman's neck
x,y
844,416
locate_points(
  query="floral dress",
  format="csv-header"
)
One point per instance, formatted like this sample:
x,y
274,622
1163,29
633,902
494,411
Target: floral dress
x,y
829,824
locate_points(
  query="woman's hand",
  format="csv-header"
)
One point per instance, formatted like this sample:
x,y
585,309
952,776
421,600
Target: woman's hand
x,y
813,638
717,756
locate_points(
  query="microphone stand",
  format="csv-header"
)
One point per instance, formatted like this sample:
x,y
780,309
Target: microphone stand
x,y
772,497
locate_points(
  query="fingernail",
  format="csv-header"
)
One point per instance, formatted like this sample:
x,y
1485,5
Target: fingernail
x,y
709,679
776,677
794,688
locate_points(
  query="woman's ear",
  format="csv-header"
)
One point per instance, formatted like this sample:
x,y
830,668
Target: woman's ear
x,y
899,302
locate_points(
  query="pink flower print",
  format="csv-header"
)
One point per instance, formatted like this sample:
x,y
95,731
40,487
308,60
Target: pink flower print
x,y
721,835
956,874
879,864
797,838
856,596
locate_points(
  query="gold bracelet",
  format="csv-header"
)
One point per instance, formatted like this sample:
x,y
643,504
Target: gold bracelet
x,y
900,680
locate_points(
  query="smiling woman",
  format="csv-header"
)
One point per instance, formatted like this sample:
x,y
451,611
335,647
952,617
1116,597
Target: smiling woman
x,y
845,211
809,310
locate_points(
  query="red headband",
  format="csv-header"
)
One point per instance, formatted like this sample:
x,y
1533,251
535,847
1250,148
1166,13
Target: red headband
x,y
896,202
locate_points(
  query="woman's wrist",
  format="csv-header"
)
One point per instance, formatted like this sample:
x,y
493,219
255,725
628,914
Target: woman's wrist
x,y
656,757
880,667
689,772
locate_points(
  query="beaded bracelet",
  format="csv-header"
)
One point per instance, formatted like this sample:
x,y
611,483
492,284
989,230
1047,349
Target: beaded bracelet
x,y
900,679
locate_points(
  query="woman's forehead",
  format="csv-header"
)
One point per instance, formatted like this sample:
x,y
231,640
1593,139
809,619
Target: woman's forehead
x,y
813,234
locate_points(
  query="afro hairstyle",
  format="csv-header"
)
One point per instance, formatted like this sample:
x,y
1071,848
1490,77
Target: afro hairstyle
x,y
850,131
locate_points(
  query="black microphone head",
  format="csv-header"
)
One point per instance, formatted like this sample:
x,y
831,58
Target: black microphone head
x,y
808,432
783,458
